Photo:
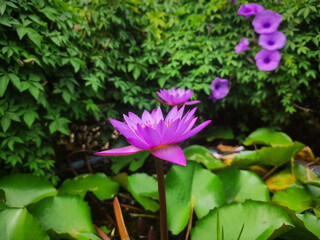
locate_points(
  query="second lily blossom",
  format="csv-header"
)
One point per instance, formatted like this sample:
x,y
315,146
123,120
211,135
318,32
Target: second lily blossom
x,y
175,97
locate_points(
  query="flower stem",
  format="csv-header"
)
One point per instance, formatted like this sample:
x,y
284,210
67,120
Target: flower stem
x,y
162,199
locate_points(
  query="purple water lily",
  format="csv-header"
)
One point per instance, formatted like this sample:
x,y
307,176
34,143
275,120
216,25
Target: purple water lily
x,y
174,97
242,45
250,9
272,41
220,88
267,22
267,60
157,135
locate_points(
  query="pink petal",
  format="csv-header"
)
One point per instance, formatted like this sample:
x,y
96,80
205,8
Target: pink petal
x,y
159,100
150,135
172,113
171,153
147,118
170,132
192,102
120,151
122,128
193,131
157,115
133,120
138,142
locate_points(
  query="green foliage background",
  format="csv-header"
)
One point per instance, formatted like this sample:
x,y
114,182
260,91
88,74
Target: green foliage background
x,y
98,59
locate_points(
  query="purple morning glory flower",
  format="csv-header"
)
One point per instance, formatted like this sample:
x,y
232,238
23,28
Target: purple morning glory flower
x,y
220,88
267,60
242,45
250,9
174,97
157,134
272,41
267,22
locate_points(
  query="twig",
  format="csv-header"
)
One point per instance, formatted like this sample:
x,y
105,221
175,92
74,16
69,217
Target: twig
x,y
303,108
268,174
190,222
101,233
88,163
143,215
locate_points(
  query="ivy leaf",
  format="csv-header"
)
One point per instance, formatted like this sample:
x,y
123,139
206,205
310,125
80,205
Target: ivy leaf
x,y
29,117
4,81
5,123
35,37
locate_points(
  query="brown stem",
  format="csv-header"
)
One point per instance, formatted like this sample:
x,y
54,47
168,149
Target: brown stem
x,y
120,222
162,199
190,221
101,233
268,174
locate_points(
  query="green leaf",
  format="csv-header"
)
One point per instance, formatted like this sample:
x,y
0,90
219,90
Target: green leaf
x,y
136,73
259,220
24,189
191,186
220,133
241,185
64,215
202,155
35,37
21,32
61,125
5,123
135,160
15,80
272,156
29,117
4,81
34,91
305,175
311,222
267,136
66,96
144,189
298,197
99,184
20,224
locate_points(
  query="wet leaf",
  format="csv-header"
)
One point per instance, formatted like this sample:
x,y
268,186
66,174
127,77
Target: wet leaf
x,y
20,224
202,155
99,184
267,136
191,186
241,185
280,180
23,189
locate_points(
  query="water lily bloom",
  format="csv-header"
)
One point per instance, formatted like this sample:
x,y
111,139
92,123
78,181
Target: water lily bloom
x,y
267,60
220,88
242,45
250,9
267,22
272,41
174,97
157,134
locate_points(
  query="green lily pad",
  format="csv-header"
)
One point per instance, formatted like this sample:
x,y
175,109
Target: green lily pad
x,y
259,220
241,185
144,189
64,216
281,180
305,175
298,197
267,136
135,160
20,224
220,133
202,155
272,156
23,189
191,186
99,184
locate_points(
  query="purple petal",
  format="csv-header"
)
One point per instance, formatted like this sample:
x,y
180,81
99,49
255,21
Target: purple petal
x,y
171,153
192,102
250,9
170,133
139,143
267,22
242,45
272,41
220,88
120,151
147,118
122,128
157,115
171,114
193,131
267,60
133,120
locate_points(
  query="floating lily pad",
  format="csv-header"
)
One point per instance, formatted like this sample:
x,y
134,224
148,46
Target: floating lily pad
x,y
220,133
267,136
64,216
280,181
202,155
305,175
135,161
241,185
259,220
99,184
20,224
23,189
272,156
191,186
298,197
144,189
